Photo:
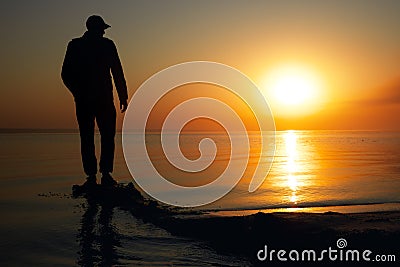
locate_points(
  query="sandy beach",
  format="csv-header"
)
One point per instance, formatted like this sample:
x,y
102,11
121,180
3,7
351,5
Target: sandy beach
x,y
375,231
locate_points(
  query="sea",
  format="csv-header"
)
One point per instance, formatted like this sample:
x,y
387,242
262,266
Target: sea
x,y
311,171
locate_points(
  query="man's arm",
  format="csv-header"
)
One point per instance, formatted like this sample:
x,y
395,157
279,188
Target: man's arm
x,y
119,79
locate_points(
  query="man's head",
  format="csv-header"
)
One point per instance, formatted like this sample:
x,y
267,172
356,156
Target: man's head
x,y
96,24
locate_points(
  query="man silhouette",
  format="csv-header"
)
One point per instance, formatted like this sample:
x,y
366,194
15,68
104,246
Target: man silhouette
x,y
86,73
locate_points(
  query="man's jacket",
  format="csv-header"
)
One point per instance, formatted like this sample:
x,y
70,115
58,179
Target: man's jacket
x,y
86,69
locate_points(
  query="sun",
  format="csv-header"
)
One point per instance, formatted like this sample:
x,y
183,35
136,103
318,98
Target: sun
x,y
292,90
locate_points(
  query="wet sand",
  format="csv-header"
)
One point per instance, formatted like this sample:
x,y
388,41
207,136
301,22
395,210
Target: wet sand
x,y
246,235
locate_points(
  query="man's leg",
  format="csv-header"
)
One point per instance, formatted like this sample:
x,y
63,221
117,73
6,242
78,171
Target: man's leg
x,y
85,117
106,120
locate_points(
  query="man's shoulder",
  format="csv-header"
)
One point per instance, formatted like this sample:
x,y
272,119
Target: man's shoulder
x,y
81,41
108,41
75,41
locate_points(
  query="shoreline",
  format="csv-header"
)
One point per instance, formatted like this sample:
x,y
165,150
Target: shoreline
x,y
342,208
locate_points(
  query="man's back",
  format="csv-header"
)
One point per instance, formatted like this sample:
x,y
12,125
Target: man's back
x,y
87,65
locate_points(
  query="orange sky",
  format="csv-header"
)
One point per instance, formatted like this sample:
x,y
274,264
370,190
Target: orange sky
x,y
353,47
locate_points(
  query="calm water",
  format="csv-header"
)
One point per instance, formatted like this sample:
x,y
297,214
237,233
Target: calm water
x,y
42,225
326,168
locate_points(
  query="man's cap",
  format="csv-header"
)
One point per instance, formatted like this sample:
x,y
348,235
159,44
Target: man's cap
x,y
96,22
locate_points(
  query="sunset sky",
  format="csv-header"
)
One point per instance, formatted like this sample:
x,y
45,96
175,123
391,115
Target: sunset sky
x,y
346,55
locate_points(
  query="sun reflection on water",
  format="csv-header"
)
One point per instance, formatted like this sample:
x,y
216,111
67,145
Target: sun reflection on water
x,y
291,165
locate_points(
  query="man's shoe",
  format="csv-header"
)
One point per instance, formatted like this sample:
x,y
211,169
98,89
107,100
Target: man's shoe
x,y
107,180
90,182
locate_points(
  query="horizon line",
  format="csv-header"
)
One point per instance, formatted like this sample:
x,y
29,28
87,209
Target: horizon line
x,y
75,130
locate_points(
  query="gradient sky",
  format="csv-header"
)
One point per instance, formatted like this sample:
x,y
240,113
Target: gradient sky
x,y
353,46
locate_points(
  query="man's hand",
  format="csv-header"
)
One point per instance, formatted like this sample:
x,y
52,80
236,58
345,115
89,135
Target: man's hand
x,y
123,106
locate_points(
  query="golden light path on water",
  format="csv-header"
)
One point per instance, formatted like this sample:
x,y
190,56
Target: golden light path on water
x,y
320,171
293,172
292,166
